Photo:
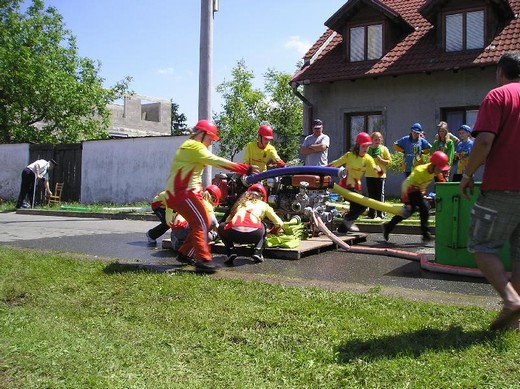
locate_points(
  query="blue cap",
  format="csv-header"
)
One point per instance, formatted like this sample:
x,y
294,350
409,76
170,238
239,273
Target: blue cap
x,y
466,128
416,127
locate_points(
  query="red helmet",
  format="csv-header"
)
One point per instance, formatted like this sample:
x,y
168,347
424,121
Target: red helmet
x,y
214,191
258,188
208,127
265,131
363,139
440,160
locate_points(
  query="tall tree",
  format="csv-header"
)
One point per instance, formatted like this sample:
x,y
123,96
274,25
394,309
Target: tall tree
x,y
44,81
284,112
239,120
179,125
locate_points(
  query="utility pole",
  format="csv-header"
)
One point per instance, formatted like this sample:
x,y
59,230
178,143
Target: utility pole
x,y
208,7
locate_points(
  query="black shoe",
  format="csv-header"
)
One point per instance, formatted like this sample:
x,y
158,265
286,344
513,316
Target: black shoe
x,y
427,237
230,258
343,228
257,256
185,259
207,266
386,231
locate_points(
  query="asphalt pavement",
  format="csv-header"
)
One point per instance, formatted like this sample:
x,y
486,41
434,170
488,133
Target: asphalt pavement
x,y
124,241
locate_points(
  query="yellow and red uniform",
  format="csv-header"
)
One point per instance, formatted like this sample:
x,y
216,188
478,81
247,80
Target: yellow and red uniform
x,y
356,167
250,216
418,181
254,155
184,187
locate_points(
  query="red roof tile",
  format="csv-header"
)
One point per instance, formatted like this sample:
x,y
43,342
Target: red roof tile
x,y
416,53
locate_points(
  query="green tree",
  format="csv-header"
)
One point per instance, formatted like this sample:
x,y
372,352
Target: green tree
x,y
179,125
239,120
44,81
284,112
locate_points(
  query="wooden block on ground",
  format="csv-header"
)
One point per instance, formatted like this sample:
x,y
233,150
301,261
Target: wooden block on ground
x,y
314,245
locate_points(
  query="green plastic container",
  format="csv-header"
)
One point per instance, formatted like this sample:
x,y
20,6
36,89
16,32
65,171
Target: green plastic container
x,y
452,217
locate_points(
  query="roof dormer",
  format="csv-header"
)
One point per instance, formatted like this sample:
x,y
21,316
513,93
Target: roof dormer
x,y
466,25
369,29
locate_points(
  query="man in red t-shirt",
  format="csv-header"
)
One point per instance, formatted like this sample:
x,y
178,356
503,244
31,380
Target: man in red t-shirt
x,y
495,217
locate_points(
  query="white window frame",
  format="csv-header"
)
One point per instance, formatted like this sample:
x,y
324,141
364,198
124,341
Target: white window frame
x,y
461,33
366,42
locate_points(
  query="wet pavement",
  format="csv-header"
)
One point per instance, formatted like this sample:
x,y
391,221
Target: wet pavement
x,y
124,241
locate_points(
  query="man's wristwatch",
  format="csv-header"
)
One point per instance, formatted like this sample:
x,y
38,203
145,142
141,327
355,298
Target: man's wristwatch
x,y
469,177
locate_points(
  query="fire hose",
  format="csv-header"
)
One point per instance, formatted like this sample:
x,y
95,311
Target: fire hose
x,y
292,170
363,250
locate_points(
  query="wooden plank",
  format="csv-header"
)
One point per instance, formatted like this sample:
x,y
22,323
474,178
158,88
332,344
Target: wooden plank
x,y
312,246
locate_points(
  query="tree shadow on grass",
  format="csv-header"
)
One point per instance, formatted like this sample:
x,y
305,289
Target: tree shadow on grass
x,y
412,344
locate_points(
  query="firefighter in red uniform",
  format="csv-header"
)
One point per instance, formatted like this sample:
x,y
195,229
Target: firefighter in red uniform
x,y
184,191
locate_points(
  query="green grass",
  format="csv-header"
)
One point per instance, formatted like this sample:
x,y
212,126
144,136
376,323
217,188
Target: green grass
x,y
69,323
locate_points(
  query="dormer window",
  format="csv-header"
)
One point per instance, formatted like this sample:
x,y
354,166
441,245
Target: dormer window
x,y
464,30
366,42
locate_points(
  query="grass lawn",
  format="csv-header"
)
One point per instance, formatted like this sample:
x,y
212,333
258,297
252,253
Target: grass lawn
x,y
69,323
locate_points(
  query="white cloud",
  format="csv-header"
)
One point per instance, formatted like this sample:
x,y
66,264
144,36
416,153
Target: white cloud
x,y
169,70
295,42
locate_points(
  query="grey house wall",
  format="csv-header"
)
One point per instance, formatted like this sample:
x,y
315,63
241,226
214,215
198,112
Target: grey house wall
x,y
403,101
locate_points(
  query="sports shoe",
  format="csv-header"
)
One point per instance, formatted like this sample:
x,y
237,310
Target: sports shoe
x,y
348,225
150,240
185,259
207,266
257,256
230,258
386,232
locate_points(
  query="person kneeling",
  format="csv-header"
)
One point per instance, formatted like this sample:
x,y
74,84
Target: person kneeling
x,y
245,223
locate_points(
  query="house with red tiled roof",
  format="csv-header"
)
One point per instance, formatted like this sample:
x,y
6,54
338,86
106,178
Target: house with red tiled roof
x,y
383,65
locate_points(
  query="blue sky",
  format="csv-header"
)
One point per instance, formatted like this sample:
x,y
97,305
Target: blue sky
x,y
157,42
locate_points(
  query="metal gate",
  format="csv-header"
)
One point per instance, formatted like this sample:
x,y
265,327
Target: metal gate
x,y
68,170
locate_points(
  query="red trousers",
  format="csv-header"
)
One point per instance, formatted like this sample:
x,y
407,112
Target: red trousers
x,y
191,207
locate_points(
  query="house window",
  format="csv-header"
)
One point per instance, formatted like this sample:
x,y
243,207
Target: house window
x,y
366,42
464,31
358,122
455,117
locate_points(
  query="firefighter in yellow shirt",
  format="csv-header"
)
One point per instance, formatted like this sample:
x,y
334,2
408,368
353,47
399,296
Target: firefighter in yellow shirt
x,y
245,223
261,151
356,162
184,191
412,193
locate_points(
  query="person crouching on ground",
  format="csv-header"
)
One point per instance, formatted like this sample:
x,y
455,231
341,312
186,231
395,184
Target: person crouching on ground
x,y
181,228
245,223
412,193
184,191
356,163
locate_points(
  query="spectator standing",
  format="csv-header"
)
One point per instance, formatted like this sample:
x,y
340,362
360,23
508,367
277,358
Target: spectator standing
x,y
315,147
413,146
444,143
184,191
495,216
462,152
37,170
375,181
261,151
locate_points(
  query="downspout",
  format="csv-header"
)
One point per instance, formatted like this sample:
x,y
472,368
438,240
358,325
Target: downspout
x,y
308,107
